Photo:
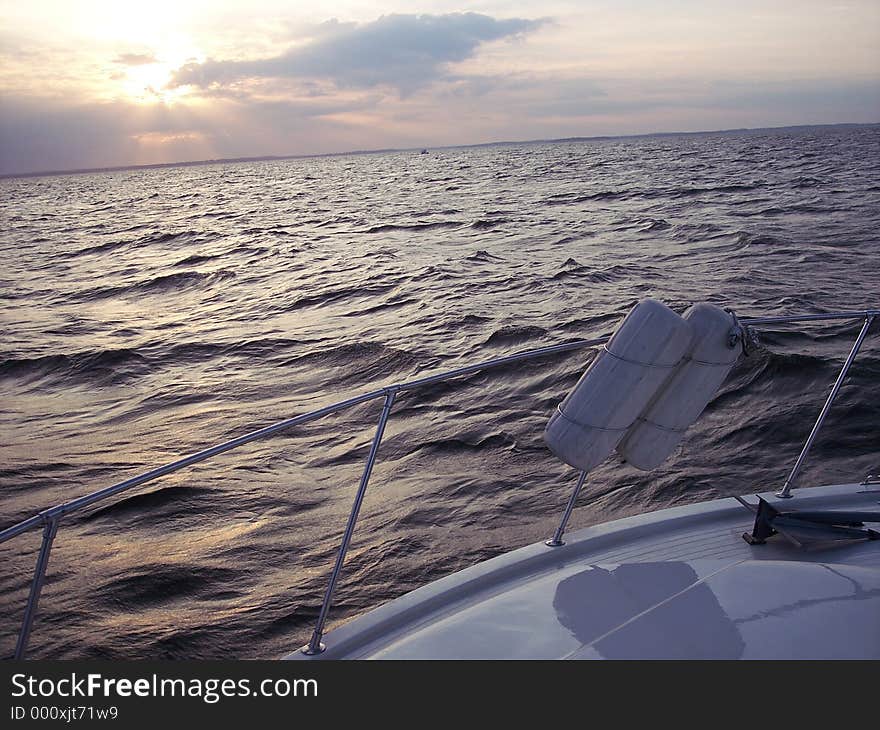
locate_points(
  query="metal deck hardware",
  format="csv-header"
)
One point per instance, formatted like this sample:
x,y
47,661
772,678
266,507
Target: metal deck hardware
x,y
808,526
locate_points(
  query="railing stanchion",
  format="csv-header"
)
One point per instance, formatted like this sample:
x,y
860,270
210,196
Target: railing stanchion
x,y
50,528
315,646
785,492
557,540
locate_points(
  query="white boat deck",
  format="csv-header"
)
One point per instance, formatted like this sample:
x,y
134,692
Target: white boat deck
x,y
677,583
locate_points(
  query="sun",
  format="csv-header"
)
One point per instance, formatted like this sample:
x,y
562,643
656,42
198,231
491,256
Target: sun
x,y
145,72
149,83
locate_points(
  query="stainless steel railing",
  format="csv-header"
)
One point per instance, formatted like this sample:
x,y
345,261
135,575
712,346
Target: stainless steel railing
x,y
50,518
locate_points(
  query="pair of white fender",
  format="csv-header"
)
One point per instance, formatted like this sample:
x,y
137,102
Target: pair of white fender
x,y
652,380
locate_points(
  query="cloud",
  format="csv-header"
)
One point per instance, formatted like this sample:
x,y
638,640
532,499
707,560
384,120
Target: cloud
x,y
10,44
50,134
135,59
407,52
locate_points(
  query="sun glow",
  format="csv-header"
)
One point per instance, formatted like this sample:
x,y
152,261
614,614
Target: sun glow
x,y
146,83
145,77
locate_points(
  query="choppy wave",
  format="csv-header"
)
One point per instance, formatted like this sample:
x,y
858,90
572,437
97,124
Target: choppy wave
x,y
162,284
414,227
115,365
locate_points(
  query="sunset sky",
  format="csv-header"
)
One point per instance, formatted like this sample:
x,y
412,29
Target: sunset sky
x,y
93,83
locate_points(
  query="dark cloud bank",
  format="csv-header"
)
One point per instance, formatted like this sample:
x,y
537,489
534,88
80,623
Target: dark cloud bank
x,y
407,52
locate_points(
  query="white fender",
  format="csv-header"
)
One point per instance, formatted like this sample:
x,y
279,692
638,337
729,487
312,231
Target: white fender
x,y
618,385
687,393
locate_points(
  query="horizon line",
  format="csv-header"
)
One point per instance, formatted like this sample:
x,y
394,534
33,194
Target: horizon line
x,y
554,140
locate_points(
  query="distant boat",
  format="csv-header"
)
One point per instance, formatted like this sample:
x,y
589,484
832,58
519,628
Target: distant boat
x,y
423,152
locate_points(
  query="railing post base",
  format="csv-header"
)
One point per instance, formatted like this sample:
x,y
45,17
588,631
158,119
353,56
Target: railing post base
x,y
308,650
557,540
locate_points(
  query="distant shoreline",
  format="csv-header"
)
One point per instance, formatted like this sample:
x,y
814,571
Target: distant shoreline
x,y
270,158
